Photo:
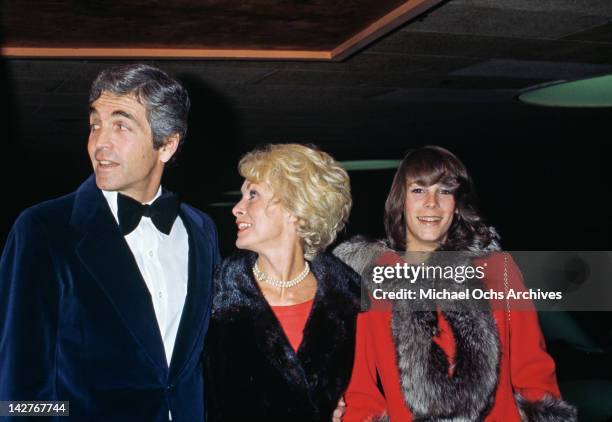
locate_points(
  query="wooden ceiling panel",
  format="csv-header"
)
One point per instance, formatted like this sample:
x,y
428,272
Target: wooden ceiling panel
x,y
291,29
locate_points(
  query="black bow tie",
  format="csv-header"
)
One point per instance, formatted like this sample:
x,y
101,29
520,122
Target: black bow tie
x,y
162,212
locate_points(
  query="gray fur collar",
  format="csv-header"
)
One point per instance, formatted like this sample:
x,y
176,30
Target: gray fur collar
x,y
469,393
428,391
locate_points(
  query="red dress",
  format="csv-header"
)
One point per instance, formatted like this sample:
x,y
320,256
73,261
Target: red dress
x,y
524,365
293,320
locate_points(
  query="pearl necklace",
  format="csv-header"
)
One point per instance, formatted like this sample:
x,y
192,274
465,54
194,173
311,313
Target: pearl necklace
x,y
261,276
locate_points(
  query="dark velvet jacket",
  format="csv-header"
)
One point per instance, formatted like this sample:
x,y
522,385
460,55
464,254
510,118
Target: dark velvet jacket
x,y
253,373
77,321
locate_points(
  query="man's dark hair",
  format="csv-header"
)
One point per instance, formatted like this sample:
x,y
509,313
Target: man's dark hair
x,y
166,101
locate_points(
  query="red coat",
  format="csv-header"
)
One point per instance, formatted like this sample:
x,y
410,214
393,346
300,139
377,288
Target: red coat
x,y
524,367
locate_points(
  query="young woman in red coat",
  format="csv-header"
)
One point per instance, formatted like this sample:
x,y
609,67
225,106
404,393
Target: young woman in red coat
x,y
441,365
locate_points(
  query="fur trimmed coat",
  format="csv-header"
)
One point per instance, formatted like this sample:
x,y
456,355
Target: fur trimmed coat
x,y
445,366
253,373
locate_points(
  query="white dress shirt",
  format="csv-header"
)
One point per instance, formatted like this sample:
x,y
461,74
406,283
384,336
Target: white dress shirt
x,y
163,263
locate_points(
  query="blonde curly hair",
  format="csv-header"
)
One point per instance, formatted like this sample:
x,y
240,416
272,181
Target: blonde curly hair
x,y
309,184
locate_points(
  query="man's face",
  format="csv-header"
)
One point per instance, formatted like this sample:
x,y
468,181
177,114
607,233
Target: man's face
x,y
121,149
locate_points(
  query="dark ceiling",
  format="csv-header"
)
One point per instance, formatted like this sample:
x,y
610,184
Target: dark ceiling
x,y
449,77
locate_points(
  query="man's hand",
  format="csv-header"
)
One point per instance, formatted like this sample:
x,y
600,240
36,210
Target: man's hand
x,y
340,411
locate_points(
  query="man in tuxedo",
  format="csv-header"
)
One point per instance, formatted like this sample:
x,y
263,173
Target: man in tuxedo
x,y
105,293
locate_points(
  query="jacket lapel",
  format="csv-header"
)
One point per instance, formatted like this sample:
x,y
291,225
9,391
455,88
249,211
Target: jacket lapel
x,y
331,326
107,256
197,302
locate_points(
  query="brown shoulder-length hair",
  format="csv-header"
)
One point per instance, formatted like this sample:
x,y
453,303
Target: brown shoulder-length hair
x,y
427,166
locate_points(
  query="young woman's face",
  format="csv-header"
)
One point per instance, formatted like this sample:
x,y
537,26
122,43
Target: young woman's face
x,y
429,212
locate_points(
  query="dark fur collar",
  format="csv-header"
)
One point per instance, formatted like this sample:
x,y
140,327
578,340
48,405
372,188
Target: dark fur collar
x,y
329,331
338,285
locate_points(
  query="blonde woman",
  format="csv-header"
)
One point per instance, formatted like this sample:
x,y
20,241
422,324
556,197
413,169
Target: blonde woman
x,y
282,335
